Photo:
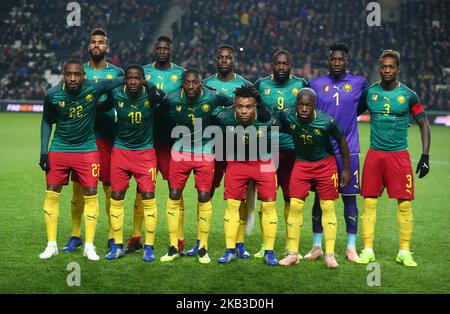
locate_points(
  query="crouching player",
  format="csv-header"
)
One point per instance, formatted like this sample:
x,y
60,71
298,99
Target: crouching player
x,y
133,154
244,165
315,163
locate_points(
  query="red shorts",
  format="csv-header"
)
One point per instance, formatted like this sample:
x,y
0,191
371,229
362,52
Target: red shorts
x,y
219,171
322,174
286,162
388,169
85,166
239,173
138,163
104,148
163,149
201,164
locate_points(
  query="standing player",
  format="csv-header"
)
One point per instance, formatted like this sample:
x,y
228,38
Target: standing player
x,y
226,81
246,166
96,68
166,76
315,164
387,162
133,154
338,94
192,108
71,105
279,91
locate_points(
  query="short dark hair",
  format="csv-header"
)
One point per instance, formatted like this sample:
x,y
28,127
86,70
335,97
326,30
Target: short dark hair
x,y
136,67
390,53
339,46
248,91
192,71
73,61
164,38
281,51
225,46
98,31
307,91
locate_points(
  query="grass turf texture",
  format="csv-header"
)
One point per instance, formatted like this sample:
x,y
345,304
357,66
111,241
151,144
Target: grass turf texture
x,y
23,236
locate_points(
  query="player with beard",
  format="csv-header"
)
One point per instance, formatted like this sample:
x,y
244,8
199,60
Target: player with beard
x,y
96,68
278,92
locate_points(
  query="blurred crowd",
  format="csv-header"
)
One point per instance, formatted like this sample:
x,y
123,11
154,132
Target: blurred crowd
x,y
419,30
35,39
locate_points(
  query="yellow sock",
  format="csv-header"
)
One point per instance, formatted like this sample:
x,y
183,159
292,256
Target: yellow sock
x,y
204,223
198,225
231,222
294,224
138,216
368,219
243,214
181,220
287,206
172,208
116,214
107,190
91,209
261,223
76,208
51,213
405,222
150,220
269,223
329,224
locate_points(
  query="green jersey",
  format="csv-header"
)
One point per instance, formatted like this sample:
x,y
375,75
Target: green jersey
x,y
260,133
74,115
134,129
278,97
312,138
104,120
196,115
169,81
389,115
225,87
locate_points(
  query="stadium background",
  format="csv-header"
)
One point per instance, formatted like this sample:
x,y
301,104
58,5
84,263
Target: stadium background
x,y
35,41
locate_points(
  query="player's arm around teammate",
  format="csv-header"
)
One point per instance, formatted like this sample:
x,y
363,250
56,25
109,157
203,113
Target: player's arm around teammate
x,y
315,163
71,106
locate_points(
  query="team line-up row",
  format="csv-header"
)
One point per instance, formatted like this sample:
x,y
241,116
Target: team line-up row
x,y
116,128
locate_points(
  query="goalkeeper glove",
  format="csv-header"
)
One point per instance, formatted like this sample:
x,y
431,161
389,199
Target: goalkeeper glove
x,y
423,167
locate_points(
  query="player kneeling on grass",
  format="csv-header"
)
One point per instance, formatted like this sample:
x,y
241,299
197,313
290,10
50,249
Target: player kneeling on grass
x,y
251,163
71,105
315,163
133,154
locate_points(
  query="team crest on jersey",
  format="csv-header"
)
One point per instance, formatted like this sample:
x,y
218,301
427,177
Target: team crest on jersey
x,y
295,91
348,88
205,107
109,76
293,126
374,97
401,99
174,78
178,108
120,104
147,104
317,132
89,97
326,88
149,76
62,104
267,91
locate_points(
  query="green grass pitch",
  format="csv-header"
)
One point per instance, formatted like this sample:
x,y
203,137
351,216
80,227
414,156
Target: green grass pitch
x,y
23,236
